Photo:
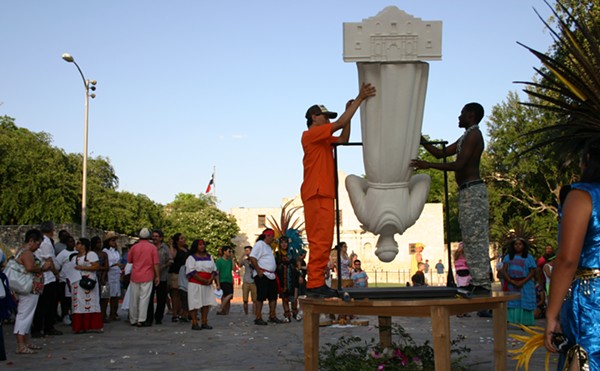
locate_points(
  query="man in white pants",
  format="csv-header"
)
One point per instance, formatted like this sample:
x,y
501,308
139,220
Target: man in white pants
x,y
144,273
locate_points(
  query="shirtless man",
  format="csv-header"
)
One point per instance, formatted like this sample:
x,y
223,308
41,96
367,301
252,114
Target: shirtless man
x,y
472,194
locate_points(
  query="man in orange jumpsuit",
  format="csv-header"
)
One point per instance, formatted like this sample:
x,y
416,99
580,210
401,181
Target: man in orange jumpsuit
x,y
318,188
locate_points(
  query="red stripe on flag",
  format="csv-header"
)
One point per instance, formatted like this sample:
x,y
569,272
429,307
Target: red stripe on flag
x,y
210,184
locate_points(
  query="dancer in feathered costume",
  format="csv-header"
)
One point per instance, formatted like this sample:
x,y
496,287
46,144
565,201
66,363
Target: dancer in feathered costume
x,y
570,87
288,279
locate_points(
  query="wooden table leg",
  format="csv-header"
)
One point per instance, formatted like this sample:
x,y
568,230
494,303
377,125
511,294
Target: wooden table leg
x,y
311,338
385,331
440,326
499,320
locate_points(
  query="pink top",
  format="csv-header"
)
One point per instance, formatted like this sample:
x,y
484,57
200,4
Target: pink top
x,y
461,263
143,255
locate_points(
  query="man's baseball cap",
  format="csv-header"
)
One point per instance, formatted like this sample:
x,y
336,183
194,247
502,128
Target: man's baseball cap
x,y
319,109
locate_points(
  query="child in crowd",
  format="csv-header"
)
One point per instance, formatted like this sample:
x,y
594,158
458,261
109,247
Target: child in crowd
x,y
359,276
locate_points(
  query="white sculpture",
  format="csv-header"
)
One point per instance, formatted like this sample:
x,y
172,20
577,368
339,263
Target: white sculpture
x,y
388,49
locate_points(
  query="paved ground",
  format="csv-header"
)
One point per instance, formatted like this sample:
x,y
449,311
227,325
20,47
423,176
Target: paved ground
x,y
235,343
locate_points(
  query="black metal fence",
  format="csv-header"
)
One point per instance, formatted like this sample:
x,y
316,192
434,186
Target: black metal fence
x,y
401,277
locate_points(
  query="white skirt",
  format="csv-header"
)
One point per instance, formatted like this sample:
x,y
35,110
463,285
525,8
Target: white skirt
x,y
200,296
114,281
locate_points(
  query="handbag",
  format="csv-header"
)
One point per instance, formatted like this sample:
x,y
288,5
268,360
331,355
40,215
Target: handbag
x,y
105,291
19,280
87,283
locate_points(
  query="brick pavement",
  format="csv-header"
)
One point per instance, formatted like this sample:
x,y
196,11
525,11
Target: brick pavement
x,y
235,343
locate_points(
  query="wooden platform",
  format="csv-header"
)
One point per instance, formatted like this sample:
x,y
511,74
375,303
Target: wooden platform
x,y
439,310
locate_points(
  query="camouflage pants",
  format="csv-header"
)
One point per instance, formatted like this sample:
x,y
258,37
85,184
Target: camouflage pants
x,y
473,220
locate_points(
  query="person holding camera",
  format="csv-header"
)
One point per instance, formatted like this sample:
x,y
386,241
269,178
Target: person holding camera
x,y
248,285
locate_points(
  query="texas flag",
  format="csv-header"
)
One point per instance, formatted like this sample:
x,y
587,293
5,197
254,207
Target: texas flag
x,y
210,184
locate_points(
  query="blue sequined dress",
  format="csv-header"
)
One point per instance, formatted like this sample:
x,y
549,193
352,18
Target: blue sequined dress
x,y
580,313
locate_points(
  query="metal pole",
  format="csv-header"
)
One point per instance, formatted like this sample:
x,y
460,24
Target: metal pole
x,y
450,279
85,158
86,84
337,219
337,207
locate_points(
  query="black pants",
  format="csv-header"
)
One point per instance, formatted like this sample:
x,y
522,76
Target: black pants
x,y
65,301
161,301
45,311
2,349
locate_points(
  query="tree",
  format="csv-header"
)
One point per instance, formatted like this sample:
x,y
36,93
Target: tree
x,y
124,212
198,217
40,182
35,180
521,188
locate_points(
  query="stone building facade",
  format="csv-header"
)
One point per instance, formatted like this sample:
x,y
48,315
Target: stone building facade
x,y
429,230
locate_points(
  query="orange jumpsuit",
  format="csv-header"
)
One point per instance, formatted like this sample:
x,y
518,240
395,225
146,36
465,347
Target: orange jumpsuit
x,y
318,196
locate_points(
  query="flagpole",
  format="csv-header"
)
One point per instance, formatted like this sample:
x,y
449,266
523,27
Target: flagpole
x,y
214,182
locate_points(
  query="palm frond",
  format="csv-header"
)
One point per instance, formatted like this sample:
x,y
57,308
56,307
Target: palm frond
x,y
569,85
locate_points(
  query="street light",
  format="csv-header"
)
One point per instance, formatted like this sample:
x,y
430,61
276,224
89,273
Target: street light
x,y
89,85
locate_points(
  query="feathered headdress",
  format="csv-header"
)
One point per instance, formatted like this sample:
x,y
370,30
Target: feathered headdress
x,y
296,244
569,85
287,226
520,230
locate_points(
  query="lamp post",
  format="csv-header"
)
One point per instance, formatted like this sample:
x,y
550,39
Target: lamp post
x,y
89,85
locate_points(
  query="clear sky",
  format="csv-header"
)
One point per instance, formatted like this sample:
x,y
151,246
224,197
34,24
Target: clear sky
x,y
185,86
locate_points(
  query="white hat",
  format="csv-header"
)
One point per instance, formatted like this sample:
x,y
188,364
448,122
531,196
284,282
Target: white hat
x,y
145,234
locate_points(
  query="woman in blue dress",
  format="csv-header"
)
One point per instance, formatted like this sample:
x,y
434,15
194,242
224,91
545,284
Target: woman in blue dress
x,y
574,303
518,269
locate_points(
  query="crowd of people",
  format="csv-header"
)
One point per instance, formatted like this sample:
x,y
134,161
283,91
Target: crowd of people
x,y
84,283
81,283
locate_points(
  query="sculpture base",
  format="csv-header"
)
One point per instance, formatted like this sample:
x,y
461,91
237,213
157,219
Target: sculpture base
x,y
400,292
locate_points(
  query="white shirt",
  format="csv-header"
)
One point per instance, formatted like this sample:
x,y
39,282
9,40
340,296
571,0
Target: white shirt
x,y
46,251
263,254
113,258
61,259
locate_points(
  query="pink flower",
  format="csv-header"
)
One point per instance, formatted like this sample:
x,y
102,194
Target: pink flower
x,y
404,358
375,354
381,367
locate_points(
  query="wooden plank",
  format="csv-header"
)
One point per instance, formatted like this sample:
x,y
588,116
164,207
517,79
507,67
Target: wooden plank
x,y
499,320
311,339
438,309
385,331
440,327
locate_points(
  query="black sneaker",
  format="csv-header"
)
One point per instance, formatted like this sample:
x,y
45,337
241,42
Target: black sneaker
x,y
322,292
196,327
53,331
471,290
260,322
206,327
485,313
479,290
275,320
